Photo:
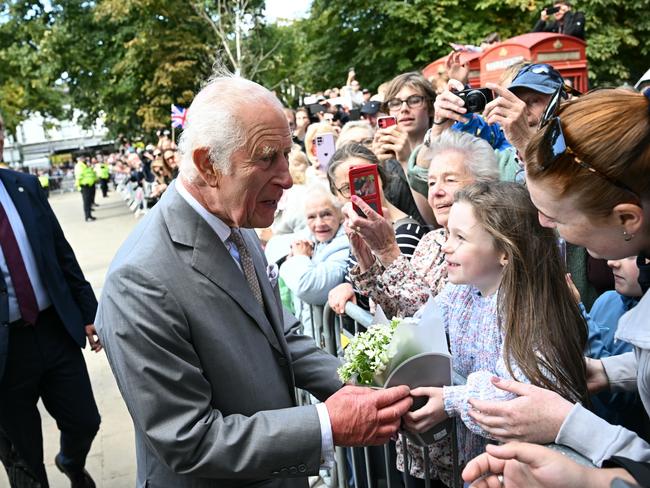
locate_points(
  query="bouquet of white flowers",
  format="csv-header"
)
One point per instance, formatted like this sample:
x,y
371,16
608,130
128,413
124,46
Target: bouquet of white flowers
x,y
372,355
411,351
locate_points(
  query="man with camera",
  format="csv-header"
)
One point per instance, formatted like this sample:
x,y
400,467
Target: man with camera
x,y
516,110
564,21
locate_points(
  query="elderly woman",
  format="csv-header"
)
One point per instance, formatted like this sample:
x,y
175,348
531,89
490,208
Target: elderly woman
x,y
401,286
317,264
403,229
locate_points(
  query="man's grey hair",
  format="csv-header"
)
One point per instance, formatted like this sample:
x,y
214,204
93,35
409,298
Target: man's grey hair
x,y
478,155
214,120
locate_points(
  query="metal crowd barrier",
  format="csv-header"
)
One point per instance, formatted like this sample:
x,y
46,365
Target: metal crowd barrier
x,y
327,328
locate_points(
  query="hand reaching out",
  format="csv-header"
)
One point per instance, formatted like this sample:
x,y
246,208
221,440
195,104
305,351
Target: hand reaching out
x,y
365,417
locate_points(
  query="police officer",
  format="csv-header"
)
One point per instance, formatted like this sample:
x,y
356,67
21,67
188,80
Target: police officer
x,y
103,173
85,179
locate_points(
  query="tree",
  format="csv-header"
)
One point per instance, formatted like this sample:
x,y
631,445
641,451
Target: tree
x,y
27,83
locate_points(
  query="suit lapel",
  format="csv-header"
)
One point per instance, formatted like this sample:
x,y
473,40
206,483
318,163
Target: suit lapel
x,y
211,258
25,207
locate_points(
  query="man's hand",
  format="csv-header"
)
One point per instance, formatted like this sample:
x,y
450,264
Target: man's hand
x,y
448,108
365,417
302,247
430,414
597,379
93,338
536,415
512,114
391,143
543,16
339,296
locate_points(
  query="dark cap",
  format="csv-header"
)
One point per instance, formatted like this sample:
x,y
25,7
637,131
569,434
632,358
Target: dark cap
x,y
542,78
370,108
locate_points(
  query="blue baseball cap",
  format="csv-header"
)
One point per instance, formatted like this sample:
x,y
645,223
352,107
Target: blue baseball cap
x,y
542,78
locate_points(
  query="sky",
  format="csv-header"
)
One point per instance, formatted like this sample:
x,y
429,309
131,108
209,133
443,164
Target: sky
x,y
286,9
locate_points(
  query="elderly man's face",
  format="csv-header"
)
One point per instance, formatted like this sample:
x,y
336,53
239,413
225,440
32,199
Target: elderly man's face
x,y
249,195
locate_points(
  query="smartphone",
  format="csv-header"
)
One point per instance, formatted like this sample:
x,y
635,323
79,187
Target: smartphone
x,y
364,183
325,148
386,121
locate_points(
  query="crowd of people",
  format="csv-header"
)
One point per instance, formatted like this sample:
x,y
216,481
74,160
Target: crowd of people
x,y
525,224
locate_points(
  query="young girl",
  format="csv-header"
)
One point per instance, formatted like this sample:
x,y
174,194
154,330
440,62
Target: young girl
x,y
507,310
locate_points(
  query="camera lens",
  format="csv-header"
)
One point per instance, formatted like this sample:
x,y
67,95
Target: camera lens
x,y
475,101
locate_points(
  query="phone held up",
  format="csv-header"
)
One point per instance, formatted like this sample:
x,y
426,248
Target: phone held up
x,y
325,148
386,121
364,183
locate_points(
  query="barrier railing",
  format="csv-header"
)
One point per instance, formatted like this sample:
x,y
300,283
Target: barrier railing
x,y
327,330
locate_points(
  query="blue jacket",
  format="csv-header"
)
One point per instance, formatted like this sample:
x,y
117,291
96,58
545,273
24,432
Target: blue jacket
x,y
71,295
620,408
310,280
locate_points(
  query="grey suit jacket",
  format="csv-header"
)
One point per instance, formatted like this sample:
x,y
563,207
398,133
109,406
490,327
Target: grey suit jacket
x,y
207,374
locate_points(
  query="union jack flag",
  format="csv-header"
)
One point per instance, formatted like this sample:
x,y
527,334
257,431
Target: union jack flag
x,y
179,116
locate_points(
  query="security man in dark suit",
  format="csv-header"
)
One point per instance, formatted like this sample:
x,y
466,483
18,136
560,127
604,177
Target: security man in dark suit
x,y
47,310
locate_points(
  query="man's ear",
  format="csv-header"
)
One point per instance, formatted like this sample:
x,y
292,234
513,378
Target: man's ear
x,y
204,166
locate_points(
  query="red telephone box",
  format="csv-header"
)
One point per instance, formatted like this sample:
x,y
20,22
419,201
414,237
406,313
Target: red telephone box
x,y
471,58
565,53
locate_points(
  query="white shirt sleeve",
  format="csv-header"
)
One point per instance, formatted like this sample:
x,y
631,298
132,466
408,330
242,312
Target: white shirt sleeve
x,y
327,440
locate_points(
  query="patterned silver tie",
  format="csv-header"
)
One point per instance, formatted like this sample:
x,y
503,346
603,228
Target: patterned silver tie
x,y
247,265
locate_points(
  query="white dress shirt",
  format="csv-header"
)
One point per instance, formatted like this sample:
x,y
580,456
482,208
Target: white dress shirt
x,y
27,254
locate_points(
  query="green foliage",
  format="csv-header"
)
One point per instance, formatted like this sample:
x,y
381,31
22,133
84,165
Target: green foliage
x,y
128,60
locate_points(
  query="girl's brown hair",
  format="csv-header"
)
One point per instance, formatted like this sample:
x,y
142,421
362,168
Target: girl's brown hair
x,y
610,131
544,332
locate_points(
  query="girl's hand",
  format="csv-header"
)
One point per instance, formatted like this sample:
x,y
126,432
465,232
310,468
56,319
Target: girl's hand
x,y
536,415
431,414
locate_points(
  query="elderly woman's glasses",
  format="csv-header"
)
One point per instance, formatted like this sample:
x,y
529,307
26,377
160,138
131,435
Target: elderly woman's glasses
x,y
414,101
344,190
554,143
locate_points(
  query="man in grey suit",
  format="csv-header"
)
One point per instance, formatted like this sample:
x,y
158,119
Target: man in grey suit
x,y
204,355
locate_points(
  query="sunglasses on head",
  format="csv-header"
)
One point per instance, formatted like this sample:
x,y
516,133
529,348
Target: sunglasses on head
x,y
554,143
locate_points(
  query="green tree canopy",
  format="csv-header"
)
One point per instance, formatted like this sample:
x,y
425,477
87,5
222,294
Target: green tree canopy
x,y
128,60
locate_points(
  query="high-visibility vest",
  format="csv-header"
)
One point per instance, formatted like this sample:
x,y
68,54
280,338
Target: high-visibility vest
x,y
84,174
103,171
44,180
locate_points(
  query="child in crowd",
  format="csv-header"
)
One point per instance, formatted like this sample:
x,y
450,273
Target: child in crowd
x,y
507,310
619,408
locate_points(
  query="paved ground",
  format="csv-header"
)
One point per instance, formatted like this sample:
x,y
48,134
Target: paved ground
x,y
112,459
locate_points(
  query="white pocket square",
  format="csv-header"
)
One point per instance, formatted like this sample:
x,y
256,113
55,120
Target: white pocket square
x,y
273,273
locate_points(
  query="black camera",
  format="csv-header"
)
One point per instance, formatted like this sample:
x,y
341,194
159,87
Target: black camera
x,y
476,98
552,10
